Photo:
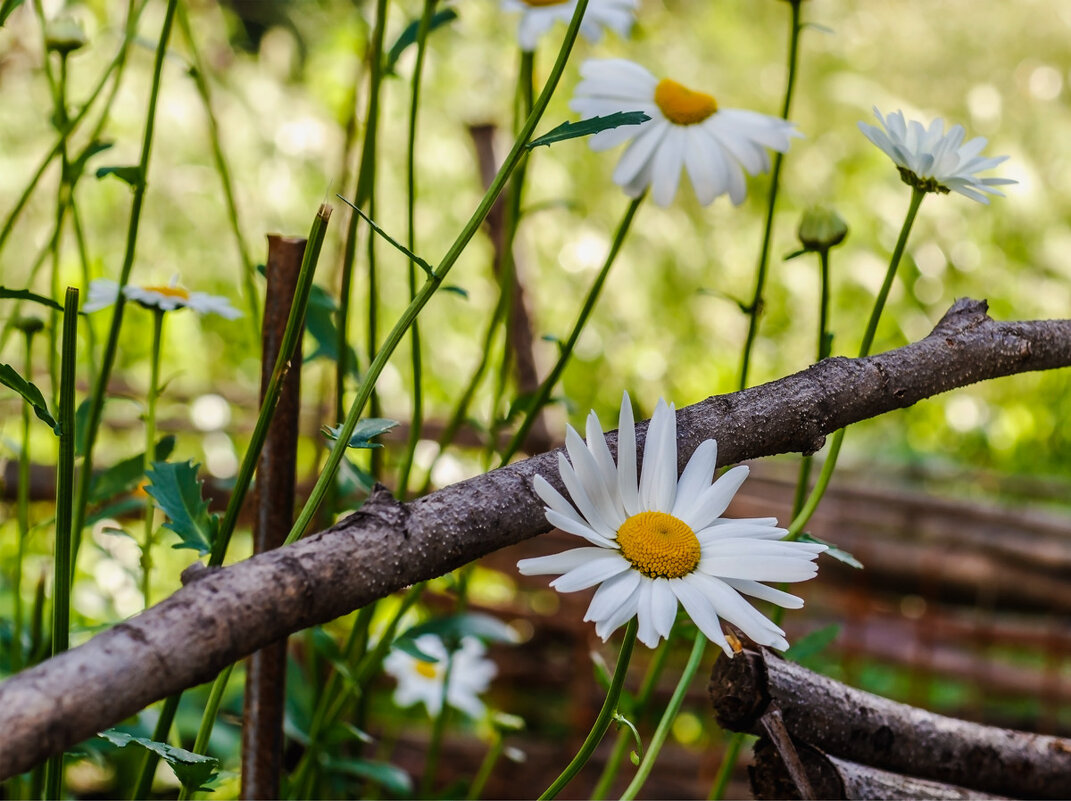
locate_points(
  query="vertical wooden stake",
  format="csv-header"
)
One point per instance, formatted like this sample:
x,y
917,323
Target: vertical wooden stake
x,y
265,684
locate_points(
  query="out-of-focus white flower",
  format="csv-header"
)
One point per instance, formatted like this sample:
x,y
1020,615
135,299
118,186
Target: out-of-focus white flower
x,y
422,682
687,131
539,16
934,161
662,540
103,292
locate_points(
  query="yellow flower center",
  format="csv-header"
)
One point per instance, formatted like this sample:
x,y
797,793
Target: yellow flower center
x,y
681,105
541,3
659,545
169,291
427,669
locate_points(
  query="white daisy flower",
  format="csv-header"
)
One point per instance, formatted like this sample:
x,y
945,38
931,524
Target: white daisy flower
x,y
687,130
539,16
104,291
662,540
934,161
422,682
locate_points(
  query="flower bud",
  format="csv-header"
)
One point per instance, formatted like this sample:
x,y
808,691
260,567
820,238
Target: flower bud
x,y
64,35
821,228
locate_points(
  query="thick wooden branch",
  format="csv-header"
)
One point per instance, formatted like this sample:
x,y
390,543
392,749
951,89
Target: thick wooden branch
x,y
223,615
874,731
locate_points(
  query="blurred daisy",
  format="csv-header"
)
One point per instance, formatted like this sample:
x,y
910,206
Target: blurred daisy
x,y
422,682
662,540
687,130
539,16
103,292
934,161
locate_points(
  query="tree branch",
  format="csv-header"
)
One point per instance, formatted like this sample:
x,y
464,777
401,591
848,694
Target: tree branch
x,y
223,615
874,731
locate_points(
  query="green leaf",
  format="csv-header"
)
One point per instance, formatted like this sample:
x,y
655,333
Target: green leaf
x,y
423,265
81,427
77,166
31,394
455,289
320,325
176,490
839,554
125,475
408,646
470,624
390,777
325,646
363,432
6,7
25,294
814,643
128,175
409,37
194,771
572,130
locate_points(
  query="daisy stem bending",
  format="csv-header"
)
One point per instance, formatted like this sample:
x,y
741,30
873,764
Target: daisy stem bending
x,y
808,509
417,419
755,307
394,337
668,717
606,714
150,447
566,348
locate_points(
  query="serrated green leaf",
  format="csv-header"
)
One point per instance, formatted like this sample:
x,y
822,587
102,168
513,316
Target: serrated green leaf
x,y
6,7
128,175
177,491
409,37
321,325
589,127
839,554
125,475
813,643
30,393
25,294
363,432
194,771
390,777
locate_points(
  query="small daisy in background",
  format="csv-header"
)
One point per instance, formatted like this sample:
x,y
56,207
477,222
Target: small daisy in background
x,y
660,541
687,131
931,160
103,292
539,16
420,681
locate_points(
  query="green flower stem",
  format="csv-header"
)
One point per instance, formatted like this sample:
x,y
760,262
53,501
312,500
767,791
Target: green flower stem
x,y
416,422
755,307
361,198
23,511
59,96
606,714
668,717
624,736
543,393
438,728
488,765
804,515
150,448
61,582
364,390
725,769
200,79
204,731
83,258
100,386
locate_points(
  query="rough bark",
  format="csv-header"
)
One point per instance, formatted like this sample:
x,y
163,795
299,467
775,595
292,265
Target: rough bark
x,y
840,779
884,734
223,615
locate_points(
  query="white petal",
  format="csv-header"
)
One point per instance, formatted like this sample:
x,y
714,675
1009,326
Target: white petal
x,y
626,458
715,499
570,526
663,606
640,152
591,572
696,477
596,443
558,563
595,480
646,632
658,476
700,610
626,611
611,594
764,593
668,161
759,568
739,612
582,500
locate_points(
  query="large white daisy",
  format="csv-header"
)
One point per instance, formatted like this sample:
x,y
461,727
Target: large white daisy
x,y
420,681
687,131
539,16
659,540
934,161
103,292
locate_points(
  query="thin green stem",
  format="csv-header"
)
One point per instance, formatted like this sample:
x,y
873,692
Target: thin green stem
x,y
438,728
364,390
755,307
543,393
100,386
83,257
605,716
479,781
61,582
204,731
23,509
668,717
804,515
59,92
725,769
416,421
150,449
149,760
